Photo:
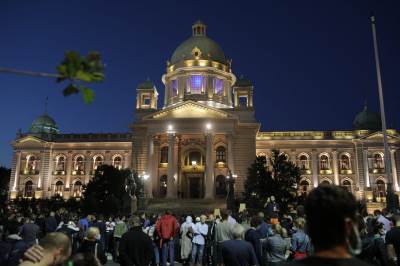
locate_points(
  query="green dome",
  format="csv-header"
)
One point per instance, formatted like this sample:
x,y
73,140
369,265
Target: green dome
x,y
243,82
44,124
367,120
148,84
206,48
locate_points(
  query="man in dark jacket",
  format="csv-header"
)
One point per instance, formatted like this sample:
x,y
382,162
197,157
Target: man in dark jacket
x,y
50,223
13,248
135,247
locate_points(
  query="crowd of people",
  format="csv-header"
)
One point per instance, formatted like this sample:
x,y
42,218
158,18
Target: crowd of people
x,y
329,230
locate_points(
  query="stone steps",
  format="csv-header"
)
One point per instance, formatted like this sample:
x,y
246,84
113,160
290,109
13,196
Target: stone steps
x,y
185,206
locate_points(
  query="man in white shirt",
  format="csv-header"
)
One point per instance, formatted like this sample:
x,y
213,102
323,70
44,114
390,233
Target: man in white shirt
x,y
200,230
383,220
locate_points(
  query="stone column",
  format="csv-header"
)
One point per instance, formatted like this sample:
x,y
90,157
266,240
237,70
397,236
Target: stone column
x,y
230,153
335,167
366,168
69,169
394,170
209,180
150,162
314,165
88,163
15,185
171,167
156,160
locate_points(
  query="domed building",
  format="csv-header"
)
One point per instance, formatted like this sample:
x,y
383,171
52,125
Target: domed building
x,y
205,134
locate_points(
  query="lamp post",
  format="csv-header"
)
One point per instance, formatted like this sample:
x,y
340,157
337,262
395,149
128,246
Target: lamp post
x,y
142,198
230,197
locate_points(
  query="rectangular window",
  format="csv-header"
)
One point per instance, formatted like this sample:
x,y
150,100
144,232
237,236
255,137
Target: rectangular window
x,y
146,100
174,87
242,101
218,85
196,84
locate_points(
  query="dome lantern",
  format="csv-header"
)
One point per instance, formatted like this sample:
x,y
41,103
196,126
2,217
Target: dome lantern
x,y
199,28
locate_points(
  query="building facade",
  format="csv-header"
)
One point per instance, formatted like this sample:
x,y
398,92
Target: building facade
x,y
205,132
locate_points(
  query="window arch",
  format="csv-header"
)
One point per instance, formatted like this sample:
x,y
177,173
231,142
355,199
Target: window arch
x,y
79,164
344,162
324,162
378,161
304,187
194,157
326,181
163,186
98,161
28,190
31,164
77,192
304,162
117,161
164,155
59,164
381,188
220,186
221,154
59,188
347,184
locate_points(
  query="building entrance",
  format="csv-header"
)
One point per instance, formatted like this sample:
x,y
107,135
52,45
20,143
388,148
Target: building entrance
x,y
194,186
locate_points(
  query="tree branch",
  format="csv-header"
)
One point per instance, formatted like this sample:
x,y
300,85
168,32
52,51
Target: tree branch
x,y
28,73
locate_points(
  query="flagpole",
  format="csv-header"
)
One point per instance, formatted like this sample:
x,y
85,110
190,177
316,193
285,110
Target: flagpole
x,y
388,167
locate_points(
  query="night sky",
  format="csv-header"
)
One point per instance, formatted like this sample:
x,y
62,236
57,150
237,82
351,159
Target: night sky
x,y
311,61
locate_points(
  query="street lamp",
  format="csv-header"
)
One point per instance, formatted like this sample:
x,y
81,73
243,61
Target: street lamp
x,y
142,202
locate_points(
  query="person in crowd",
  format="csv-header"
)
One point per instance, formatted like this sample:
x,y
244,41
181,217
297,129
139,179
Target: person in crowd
x,y
331,223
84,224
186,232
135,247
12,248
393,240
238,252
271,207
200,231
119,229
373,249
300,243
100,223
167,229
50,223
55,249
30,232
383,220
264,228
231,219
276,246
222,233
210,241
253,236
40,221
150,230
92,245
85,259
110,225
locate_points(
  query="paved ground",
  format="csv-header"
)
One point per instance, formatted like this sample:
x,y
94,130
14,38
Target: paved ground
x,y
111,263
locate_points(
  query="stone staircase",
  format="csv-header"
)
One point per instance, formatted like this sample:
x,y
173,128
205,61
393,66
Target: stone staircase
x,y
185,206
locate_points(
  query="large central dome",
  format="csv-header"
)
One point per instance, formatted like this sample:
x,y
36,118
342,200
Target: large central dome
x,y
199,46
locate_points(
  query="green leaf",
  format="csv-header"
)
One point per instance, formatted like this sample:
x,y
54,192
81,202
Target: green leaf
x,y
87,94
82,75
70,89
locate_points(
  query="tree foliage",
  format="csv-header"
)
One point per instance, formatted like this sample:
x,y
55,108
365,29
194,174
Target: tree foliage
x,y
5,174
105,192
278,177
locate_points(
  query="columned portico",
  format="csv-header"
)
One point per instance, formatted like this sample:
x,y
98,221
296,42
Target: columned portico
x,y
366,168
209,180
314,166
171,193
335,167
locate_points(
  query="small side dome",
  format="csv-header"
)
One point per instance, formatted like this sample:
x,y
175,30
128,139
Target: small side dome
x,y
243,82
367,120
44,124
146,85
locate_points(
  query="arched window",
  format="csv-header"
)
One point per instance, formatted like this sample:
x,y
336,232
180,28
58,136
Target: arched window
x,y
164,155
324,162
194,158
345,162
31,165
218,85
79,163
59,188
221,154
97,162
304,187
381,188
163,186
347,185
117,162
378,161
60,163
325,182
77,189
196,84
28,191
304,163
220,186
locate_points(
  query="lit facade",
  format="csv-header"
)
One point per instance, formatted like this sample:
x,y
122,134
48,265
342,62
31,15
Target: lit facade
x,y
205,131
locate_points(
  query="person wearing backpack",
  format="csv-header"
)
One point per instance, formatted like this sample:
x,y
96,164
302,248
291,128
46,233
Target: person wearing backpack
x,y
300,241
167,228
91,244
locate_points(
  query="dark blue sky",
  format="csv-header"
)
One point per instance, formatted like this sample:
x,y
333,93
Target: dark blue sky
x,y
311,61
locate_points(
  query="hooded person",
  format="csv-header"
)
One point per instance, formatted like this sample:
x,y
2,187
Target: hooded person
x,y
186,231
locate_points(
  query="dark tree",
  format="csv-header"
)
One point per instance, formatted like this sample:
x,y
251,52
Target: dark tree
x,y
279,179
105,192
5,174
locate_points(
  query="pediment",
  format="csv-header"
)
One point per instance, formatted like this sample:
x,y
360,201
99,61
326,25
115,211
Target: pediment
x,y
29,140
189,109
379,135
